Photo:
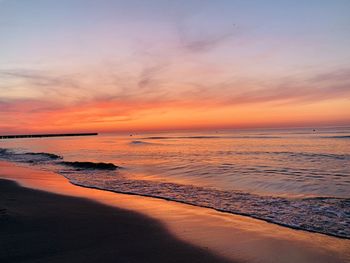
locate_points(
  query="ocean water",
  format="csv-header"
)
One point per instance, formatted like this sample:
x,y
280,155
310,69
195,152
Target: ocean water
x,y
299,178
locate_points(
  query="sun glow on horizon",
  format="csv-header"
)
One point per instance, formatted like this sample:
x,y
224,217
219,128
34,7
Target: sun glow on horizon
x,y
116,66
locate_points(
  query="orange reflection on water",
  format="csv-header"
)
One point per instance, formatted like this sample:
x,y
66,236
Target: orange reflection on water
x,y
236,237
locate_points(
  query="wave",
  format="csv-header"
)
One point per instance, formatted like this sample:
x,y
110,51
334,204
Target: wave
x,y
91,165
307,155
48,155
180,137
326,215
209,137
53,159
29,157
139,142
318,155
337,137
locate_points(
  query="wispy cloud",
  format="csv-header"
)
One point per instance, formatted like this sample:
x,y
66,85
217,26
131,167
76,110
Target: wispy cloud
x,y
153,84
38,84
279,91
127,100
203,41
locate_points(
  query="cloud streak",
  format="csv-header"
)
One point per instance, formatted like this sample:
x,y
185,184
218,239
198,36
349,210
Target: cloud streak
x,y
203,43
322,86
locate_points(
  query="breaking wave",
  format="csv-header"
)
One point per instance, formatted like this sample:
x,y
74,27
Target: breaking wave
x,y
327,215
46,155
28,157
50,158
91,165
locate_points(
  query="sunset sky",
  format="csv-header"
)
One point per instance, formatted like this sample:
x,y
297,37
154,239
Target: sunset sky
x,y
104,65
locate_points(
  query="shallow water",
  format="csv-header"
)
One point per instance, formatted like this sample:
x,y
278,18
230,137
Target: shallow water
x,y
261,173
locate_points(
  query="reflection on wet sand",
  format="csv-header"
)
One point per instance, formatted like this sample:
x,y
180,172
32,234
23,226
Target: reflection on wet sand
x,y
235,237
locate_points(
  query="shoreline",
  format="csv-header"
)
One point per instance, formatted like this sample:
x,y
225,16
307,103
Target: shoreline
x,y
218,210
41,226
235,237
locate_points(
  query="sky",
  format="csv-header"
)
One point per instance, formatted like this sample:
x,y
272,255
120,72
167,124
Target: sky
x,y
108,65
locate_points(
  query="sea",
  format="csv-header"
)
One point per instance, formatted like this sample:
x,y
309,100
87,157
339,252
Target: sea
x,y
298,178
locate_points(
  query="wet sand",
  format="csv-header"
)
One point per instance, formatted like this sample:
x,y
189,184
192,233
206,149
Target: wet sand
x,y
237,238
44,227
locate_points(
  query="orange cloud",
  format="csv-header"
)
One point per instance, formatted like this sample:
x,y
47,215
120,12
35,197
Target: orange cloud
x,y
155,101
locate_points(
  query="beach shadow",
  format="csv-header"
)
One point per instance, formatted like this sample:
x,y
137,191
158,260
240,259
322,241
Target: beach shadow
x,y
45,227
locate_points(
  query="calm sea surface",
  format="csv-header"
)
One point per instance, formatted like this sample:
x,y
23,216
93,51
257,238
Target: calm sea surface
x,y
298,177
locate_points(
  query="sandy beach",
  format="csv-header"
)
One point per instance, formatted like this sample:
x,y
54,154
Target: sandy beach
x,y
90,225
37,226
175,131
